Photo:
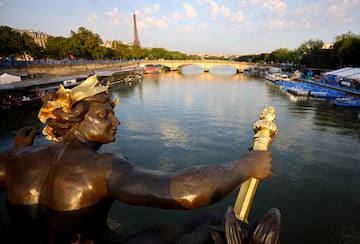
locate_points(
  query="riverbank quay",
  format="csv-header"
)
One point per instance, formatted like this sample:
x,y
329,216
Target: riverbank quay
x,y
29,92
341,91
115,76
347,90
46,69
345,79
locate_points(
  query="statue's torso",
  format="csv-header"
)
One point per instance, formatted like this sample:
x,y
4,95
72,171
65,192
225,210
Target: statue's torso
x,y
60,188
63,179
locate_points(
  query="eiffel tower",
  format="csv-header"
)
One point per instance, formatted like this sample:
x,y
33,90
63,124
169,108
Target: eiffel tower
x,y
136,36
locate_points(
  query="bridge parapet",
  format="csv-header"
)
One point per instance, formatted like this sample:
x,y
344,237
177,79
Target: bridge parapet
x,y
174,65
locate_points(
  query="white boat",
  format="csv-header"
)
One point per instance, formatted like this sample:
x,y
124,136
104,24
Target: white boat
x,y
8,78
277,77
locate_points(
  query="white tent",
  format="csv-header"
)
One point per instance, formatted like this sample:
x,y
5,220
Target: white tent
x,y
350,73
7,78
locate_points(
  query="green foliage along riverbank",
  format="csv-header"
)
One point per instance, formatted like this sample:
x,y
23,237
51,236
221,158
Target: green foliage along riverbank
x,y
84,44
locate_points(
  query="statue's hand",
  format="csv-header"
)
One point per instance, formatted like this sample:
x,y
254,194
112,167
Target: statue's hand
x,y
25,136
259,163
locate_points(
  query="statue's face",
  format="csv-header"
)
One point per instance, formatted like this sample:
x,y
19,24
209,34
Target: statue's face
x,y
99,123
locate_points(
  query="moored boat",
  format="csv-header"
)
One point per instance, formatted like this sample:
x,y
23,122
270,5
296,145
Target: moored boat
x,y
327,94
299,91
345,80
19,99
306,89
348,102
277,77
152,69
29,92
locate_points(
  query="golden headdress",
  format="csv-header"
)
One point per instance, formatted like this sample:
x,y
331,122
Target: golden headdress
x,y
65,98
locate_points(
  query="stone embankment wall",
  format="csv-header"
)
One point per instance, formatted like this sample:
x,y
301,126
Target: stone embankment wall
x,y
37,71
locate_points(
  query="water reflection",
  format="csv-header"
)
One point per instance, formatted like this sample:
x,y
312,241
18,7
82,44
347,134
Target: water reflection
x,y
191,70
166,162
172,135
223,70
218,70
202,76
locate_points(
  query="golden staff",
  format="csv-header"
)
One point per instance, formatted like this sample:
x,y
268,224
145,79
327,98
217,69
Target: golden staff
x,y
264,130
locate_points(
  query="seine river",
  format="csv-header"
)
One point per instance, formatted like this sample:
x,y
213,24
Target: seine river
x,y
170,121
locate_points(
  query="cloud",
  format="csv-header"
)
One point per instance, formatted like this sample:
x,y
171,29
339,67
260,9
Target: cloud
x,y
203,26
153,22
189,11
225,11
275,6
237,17
214,8
325,14
275,23
114,16
254,3
176,16
148,19
149,11
195,29
341,11
189,29
92,17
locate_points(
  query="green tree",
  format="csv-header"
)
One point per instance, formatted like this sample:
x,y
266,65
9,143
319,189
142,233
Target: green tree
x,y
136,52
98,52
109,53
83,42
282,55
193,57
157,53
30,47
57,47
121,50
307,49
11,42
262,58
347,49
174,55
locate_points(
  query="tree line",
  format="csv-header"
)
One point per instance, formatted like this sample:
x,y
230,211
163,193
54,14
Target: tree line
x,y
344,52
82,44
85,44
13,44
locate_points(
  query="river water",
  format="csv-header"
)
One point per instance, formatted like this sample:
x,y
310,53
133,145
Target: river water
x,y
170,121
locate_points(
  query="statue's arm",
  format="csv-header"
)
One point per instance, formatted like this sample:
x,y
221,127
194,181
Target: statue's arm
x,y
24,137
189,188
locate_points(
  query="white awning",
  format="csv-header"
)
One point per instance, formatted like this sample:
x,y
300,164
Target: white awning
x,y
7,78
350,73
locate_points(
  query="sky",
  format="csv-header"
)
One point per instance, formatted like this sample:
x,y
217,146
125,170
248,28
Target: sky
x,y
193,26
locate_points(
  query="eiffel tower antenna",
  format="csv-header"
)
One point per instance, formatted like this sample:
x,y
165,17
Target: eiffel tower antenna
x,y
136,36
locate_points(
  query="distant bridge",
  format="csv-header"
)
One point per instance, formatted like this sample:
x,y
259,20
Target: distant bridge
x,y
174,65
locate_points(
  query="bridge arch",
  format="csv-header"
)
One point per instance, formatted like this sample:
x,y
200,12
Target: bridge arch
x,y
174,65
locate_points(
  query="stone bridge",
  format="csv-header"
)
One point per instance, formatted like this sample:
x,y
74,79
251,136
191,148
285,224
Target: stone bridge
x,y
174,65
